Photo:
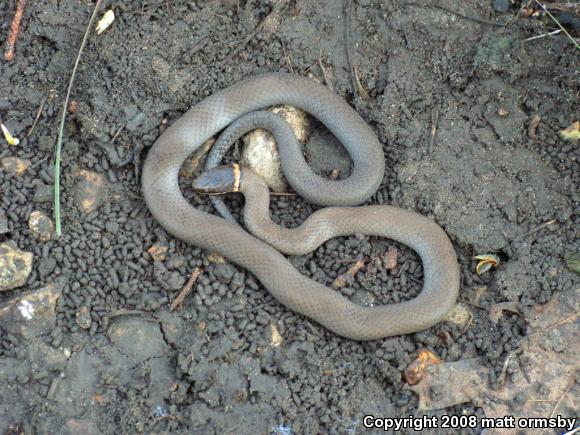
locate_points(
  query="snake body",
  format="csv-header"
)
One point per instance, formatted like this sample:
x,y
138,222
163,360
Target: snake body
x,y
297,292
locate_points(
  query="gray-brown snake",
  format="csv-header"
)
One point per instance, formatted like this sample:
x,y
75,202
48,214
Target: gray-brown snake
x,y
297,292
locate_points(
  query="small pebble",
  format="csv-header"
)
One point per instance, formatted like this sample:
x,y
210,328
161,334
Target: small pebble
x,y
40,226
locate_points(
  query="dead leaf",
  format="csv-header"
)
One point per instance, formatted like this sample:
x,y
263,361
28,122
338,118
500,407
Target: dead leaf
x,y
157,252
275,336
216,258
391,258
418,368
451,383
549,362
572,132
534,127
496,310
342,279
486,262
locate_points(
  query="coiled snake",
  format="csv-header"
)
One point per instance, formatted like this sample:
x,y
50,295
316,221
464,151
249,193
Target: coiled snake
x,y
297,292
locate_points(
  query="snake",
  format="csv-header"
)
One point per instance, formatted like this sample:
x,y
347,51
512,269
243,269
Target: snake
x,y
261,251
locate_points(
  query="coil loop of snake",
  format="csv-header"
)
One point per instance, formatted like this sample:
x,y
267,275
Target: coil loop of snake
x,y
260,253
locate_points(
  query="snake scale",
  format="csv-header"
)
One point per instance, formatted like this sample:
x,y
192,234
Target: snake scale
x,y
297,292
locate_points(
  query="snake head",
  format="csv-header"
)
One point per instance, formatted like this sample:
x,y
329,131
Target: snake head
x,y
223,179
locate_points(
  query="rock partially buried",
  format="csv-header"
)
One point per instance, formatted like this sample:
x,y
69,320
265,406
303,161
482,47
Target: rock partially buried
x,y
40,226
15,266
138,339
90,189
32,314
261,152
83,317
43,193
14,165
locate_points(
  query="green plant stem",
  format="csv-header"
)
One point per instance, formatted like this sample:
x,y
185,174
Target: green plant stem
x,y
559,25
58,146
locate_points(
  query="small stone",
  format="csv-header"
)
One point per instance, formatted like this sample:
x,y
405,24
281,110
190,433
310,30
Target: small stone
x,y
83,318
14,165
173,281
261,152
89,190
502,5
43,193
112,227
3,224
15,266
73,106
158,251
216,258
460,315
502,112
40,226
134,123
274,337
32,314
46,266
45,143
224,273
363,298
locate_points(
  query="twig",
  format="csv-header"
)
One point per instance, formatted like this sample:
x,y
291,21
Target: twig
x,y
40,162
532,231
540,227
118,132
568,319
326,80
58,146
570,383
282,194
434,121
559,25
341,280
504,368
14,30
562,322
178,302
460,15
565,7
555,32
361,90
37,117
348,51
472,304
288,62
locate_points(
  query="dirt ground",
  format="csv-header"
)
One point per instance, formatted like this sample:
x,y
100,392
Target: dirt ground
x,y
455,103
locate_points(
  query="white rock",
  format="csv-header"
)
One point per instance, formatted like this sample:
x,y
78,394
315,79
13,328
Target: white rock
x,y
261,152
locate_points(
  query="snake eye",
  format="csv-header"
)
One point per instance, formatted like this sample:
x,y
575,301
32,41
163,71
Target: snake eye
x,y
217,180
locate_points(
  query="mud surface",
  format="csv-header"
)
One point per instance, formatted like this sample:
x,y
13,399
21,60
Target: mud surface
x,y
109,356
